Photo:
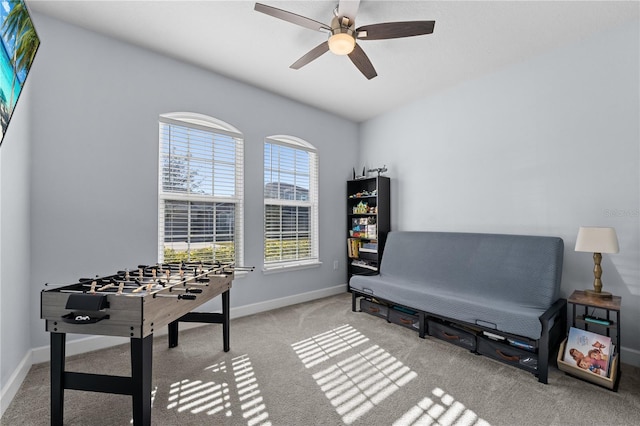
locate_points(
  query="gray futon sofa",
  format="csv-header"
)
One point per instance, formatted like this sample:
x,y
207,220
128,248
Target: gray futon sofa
x,y
495,294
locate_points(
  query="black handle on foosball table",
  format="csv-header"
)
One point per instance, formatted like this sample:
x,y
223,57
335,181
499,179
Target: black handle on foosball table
x,y
87,302
194,290
187,296
75,318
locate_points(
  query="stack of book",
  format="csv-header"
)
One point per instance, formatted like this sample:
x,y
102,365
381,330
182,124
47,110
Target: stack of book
x,y
370,247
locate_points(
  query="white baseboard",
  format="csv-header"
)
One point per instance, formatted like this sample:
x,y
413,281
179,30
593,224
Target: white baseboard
x,y
256,308
92,343
78,346
13,384
630,356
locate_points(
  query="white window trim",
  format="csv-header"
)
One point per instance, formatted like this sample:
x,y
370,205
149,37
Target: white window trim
x,y
275,268
297,264
209,124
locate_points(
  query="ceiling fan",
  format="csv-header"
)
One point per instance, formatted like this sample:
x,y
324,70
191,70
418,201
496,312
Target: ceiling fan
x,y
343,34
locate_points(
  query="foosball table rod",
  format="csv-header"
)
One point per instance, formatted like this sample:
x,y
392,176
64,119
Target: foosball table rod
x,y
177,296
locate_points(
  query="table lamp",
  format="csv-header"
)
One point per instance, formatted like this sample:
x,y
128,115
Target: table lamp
x,y
597,240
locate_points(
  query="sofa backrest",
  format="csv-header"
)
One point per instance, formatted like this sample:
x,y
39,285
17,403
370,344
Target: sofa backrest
x,y
518,268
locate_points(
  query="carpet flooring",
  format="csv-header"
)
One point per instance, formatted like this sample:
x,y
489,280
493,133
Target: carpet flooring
x,y
319,363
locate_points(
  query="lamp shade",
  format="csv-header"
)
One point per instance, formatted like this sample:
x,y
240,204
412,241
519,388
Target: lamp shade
x,y
597,240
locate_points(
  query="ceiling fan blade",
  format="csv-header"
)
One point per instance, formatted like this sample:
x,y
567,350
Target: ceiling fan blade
x,y
362,62
314,53
395,30
348,8
291,17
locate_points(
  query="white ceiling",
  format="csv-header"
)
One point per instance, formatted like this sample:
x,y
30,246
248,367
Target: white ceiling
x,y
471,38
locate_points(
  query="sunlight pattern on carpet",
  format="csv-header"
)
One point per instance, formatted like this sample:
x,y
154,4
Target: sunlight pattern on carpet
x,y
214,397
198,396
252,405
443,410
358,383
327,345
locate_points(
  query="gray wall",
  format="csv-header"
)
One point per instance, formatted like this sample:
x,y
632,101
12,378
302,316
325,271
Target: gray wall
x,y
541,147
95,155
16,308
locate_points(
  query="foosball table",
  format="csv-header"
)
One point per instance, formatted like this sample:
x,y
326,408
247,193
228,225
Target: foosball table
x,y
131,303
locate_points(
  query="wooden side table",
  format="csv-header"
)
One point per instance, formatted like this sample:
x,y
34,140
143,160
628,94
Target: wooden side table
x,y
598,307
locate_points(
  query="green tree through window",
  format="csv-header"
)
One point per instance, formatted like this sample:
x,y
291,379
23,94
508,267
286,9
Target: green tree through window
x,y
200,191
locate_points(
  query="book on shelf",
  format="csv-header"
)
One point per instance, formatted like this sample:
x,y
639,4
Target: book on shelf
x,y
353,247
589,351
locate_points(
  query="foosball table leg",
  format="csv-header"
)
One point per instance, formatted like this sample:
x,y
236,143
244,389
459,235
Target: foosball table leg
x,y
225,320
57,378
141,359
173,333
205,317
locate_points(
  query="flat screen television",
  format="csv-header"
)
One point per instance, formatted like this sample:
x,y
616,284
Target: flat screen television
x,y
17,51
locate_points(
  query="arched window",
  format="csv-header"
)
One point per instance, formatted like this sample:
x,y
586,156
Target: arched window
x,y
200,189
290,203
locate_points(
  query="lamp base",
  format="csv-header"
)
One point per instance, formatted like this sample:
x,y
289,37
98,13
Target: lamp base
x,y
598,294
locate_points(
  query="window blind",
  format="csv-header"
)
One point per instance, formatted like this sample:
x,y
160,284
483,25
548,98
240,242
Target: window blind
x,y
200,192
290,202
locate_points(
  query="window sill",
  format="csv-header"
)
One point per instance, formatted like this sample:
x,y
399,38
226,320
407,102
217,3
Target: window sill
x,y
274,269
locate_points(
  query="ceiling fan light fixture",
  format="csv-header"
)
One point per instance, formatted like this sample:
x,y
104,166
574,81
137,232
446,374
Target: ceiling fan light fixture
x,y
343,33
342,43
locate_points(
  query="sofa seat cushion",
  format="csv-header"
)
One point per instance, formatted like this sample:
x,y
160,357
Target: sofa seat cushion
x,y
439,299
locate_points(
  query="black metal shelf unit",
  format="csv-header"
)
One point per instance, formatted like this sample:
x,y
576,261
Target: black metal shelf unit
x,y
368,223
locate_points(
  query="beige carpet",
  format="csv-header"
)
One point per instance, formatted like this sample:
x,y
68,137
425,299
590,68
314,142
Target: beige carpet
x,y
318,363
